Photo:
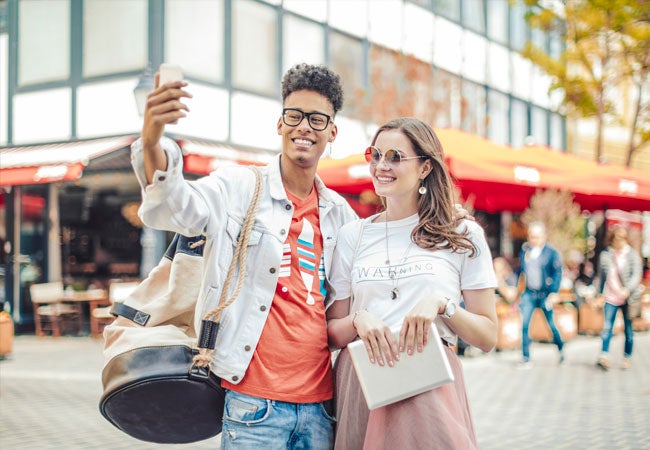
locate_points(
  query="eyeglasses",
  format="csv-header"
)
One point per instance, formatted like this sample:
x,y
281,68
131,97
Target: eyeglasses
x,y
392,157
317,121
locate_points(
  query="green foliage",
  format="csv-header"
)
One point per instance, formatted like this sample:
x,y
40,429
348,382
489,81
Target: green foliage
x,y
607,43
565,225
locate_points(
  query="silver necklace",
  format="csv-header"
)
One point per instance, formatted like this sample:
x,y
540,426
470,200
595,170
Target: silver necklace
x,y
392,272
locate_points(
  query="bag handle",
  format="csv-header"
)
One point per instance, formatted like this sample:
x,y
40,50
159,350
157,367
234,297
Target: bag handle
x,y
210,323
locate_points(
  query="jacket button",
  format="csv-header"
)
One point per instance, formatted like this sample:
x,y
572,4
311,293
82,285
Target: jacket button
x,y
283,231
247,348
235,378
262,308
272,270
287,207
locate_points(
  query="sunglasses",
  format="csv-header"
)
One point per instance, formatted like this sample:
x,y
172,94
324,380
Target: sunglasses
x,y
392,157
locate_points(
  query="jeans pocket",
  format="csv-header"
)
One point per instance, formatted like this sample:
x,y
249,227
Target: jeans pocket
x,y
245,409
327,409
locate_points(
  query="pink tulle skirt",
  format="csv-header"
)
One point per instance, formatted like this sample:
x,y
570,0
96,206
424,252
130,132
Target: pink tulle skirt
x,y
437,419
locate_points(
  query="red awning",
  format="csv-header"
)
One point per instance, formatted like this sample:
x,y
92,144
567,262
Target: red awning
x,y
53,162
201,157
598,186
500,178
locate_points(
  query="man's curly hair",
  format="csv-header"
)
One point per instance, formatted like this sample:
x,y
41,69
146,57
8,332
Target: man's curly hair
x,y
318,78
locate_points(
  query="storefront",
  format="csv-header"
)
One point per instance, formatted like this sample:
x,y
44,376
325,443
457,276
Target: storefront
x,y
69,212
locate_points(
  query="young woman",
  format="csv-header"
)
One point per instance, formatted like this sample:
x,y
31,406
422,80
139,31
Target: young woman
x,y
410,265
620,270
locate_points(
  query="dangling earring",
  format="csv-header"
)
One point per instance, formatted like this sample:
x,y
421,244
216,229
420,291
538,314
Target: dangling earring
x,y
422,190
331,149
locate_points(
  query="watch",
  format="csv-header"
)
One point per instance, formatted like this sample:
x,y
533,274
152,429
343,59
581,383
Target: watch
x,y
450,310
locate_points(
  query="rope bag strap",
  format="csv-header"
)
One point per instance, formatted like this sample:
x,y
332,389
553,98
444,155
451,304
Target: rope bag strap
x,y
210,323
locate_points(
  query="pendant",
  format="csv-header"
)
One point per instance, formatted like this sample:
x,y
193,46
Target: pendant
x,y
394,294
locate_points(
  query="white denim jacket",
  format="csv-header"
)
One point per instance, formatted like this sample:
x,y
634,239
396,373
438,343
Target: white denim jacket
x,y
215,206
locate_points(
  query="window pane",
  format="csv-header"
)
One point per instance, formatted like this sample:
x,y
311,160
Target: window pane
x,y
385,22
474,15
314,9
473,108
557,131
42,116
351,139
43,25
194,38
115,36
418,32
541,85
474,54
4,95
446,87
539,126
208,117
346,58
522,71
250,109
447,42
497,117
497,16
118,115
3,16
539,38
447,8
518,123
344,15
303,42
518,26
499,67
555,45
254,44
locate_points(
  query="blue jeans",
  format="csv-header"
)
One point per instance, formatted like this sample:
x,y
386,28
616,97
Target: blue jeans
x,y
529,301
608,327
260,424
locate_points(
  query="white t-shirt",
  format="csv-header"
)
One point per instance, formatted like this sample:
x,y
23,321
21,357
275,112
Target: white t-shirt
x,y
417,272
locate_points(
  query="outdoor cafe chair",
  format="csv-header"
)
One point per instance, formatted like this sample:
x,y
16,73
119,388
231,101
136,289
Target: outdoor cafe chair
x,y
118,291
50,312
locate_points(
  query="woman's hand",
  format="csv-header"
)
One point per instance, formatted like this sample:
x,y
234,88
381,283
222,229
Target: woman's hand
x,y
377,337
417,323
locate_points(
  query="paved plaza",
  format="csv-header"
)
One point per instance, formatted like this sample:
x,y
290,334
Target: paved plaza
x,y
49,391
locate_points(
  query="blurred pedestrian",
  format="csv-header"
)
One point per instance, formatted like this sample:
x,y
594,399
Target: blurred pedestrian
x,y
506,280
271,352
409,266
541,266
620,269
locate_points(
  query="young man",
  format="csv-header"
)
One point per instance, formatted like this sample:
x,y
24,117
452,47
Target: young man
x,y
271,351
541,265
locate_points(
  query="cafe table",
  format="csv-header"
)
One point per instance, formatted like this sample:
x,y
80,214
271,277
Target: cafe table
x,y
95,298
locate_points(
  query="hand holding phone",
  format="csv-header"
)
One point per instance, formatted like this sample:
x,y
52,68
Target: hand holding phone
x,y
169,73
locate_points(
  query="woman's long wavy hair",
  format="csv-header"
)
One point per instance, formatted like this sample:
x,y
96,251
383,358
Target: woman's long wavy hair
x,y
436,208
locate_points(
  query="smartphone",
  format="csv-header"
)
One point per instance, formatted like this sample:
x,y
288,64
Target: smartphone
x,y
169,73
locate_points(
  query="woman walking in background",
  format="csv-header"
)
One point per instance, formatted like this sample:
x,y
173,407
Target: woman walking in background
x,y
620,271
